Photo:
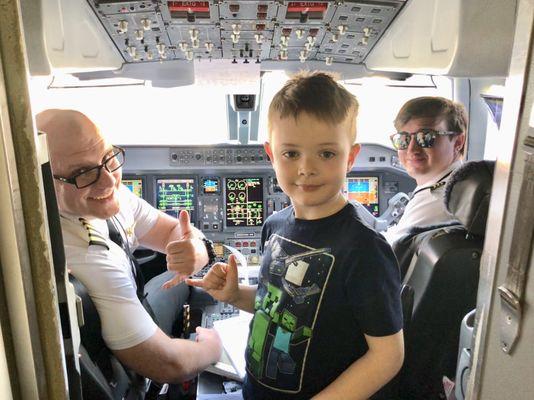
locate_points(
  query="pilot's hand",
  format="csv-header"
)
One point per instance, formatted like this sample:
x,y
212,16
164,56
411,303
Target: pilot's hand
x,y
187,255
220,282
210,340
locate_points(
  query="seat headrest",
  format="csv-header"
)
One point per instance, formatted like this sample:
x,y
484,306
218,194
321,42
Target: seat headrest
x,y
468,193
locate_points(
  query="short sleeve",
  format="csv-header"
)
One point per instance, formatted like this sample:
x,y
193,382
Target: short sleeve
x,y
373,288
125,322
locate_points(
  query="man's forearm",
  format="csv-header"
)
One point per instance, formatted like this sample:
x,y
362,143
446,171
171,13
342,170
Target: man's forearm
x,y
168,360
194,356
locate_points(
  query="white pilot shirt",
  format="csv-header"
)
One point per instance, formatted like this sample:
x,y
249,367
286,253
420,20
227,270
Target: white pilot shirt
x,y
107,273
425,208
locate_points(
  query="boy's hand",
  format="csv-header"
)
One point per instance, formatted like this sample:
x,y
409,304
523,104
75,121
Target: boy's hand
x,y
220,282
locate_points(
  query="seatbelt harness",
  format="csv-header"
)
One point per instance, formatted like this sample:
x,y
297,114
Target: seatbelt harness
x,y
117,238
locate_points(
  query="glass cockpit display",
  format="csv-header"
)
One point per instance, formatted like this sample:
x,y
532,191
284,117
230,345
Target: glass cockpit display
x,y
211,186
135,185
175,194
244,201
364,190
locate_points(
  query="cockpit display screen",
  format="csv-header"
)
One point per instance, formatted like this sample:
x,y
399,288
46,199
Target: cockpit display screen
x,y
244,201
211,186
176,194
364,189
135,185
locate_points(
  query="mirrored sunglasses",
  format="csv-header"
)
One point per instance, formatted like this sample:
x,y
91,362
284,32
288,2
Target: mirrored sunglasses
x,y
424,138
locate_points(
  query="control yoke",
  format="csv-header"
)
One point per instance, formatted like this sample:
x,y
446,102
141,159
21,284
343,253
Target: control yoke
x,y
396,206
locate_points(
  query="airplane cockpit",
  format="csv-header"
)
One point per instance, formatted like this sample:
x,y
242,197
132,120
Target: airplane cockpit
x,y
184,88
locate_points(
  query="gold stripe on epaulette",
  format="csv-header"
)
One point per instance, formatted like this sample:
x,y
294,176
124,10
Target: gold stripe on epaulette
x,y
437,186
95,237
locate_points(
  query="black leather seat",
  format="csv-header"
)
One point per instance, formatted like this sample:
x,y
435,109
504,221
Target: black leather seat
x,y
443,271
103,376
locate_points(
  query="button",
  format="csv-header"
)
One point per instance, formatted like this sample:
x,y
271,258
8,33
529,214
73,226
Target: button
x,y
252,244
245,244
206,226
215,226
237,244
372,159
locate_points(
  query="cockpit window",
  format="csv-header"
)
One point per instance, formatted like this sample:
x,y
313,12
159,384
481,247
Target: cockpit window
x,y
135,113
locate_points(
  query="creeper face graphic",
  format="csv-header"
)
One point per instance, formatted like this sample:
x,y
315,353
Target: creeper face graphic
x,y
288,321
271,301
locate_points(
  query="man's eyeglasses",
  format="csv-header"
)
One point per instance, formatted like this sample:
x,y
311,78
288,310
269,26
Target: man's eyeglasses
x,y
91,175
424,138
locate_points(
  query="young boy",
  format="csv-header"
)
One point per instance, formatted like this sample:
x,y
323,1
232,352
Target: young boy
x,y
327,315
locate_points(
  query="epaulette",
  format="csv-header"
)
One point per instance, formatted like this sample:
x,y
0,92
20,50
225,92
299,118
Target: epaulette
x,y
437,185
95,237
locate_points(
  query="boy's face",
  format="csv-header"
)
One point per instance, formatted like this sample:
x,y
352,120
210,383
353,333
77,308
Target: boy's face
x,y
311,159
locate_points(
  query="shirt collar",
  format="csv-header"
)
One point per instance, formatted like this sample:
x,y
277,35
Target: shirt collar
x,y
440,176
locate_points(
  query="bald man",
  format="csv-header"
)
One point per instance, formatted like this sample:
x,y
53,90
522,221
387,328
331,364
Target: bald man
x,y
93,206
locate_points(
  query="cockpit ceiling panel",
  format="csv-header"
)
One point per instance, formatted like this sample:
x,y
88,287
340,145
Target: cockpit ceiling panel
x,y
336,31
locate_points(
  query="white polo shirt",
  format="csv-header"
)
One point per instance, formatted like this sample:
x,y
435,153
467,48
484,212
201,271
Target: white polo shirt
x,y
425,208
105,269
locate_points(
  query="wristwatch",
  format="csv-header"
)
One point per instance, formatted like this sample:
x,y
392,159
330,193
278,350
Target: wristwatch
x,y
210,250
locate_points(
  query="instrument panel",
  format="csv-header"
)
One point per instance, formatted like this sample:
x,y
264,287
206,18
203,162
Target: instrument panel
x,y
229,191
245,31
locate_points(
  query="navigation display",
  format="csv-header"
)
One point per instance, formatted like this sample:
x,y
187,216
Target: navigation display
x,y
175,194
364,190
244,201
135,185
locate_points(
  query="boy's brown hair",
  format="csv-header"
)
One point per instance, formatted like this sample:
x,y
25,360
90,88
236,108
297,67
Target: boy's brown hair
x,y
317,94
436,108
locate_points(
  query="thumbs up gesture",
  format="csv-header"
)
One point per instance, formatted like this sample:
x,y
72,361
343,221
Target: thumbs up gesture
x,y
186,255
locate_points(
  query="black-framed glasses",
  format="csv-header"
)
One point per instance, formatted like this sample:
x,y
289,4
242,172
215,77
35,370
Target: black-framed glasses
x,y
91,175
424,138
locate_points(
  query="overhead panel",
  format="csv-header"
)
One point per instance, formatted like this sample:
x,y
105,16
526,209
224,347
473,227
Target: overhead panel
x,y
245,31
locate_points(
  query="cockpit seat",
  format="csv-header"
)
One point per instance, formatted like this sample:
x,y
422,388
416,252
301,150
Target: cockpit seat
x,y
443,273
103,376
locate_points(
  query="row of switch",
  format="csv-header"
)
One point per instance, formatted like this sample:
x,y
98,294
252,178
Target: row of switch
x,y
214,227
244,244
381,159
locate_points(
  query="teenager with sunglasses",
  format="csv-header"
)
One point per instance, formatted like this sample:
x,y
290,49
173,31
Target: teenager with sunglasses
x,y
102,223
430,141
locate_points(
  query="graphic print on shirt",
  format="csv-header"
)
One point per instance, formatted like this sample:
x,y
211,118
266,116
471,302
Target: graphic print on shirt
x,y
288,299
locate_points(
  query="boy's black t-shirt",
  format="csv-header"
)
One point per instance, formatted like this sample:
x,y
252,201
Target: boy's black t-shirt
x,y
323,284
